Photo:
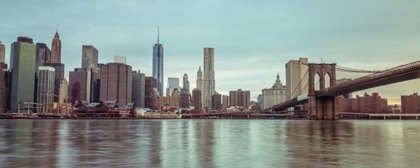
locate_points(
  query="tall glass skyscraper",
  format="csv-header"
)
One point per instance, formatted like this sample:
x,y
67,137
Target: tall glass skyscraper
x,y
158,66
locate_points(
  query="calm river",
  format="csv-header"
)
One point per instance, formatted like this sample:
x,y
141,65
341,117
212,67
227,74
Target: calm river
x,y
209,143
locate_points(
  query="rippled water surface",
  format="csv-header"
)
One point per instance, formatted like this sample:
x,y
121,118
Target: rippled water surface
x,y
209,143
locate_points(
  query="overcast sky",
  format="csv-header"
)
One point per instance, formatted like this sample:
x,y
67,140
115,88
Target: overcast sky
x,y
252,39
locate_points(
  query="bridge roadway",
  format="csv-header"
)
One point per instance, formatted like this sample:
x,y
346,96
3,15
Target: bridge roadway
x,y
247,114
394,75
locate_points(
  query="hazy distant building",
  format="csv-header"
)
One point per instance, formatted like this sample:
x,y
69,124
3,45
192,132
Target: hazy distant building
x,y
120,59
240,98
149,100
158,66
45,89
63,95
89,57
185,83
43,54
216,101
199,82
82,85
259,99
209,79
56,49
173,83
2,52
138,89
296,77
410,103
23,67
197,102
59,74
185,99
116,83
276,94
225,101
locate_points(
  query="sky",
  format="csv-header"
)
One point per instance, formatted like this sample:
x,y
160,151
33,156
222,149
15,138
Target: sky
x,y
253,40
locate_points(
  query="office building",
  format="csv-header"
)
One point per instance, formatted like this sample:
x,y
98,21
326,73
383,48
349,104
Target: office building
x,y
197,102
2,53
82,85
59,74
240,98
116,83
46,77
3,91
276,94
63,94
56,49
171,100
185,99
158,66
120,59
296,78
43,54
149,94
199,82
216,101
173,83
23,67
185,83
225,101
138,85
89,57
209,80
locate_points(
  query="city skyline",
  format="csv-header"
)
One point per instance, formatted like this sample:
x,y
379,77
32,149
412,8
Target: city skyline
x,y
345,38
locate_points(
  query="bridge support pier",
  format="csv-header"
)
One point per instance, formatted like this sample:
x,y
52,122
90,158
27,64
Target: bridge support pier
x,y
322,108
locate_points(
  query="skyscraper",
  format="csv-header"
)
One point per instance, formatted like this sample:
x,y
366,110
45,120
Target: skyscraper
x,y
138,89
116,83
43,54
200,85
149,95
3,91
89,57
23,66
82,85
197,102
63,94
158,66
59,73
185,83
225,101
216,101
240,98
56,49
209,82
45,89
2,52
296,77
120,59
173,83
276,94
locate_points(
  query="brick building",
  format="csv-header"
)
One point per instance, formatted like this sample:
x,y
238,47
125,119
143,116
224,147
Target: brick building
x,y
410,103
197,101
149,95
216,101
240,98
116,83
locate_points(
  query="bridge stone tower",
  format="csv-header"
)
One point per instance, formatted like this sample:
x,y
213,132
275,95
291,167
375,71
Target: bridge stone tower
x,y
321,108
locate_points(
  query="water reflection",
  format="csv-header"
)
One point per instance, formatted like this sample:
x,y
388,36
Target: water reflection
x,y
207,143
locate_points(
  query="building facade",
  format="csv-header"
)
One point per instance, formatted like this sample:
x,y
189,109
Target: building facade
x,y
3,91
149,95
199,82
23,67
120,59
173,83
138,85
240,98
59,74
46,77
56,49
116,83
185,83
209,80
185,99
82,85
296,77
225,101
216,101
276,94
89,57
172,100
63,95
197,102
43,54
410,103
2,53
158,66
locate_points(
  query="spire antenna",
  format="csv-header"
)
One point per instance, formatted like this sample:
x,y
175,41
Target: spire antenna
x,y
158,36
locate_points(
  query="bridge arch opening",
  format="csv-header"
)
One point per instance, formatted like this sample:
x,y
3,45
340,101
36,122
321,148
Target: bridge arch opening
x,y
317,79
327,80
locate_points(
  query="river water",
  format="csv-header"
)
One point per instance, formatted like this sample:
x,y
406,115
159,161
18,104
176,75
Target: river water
x,y
209,143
